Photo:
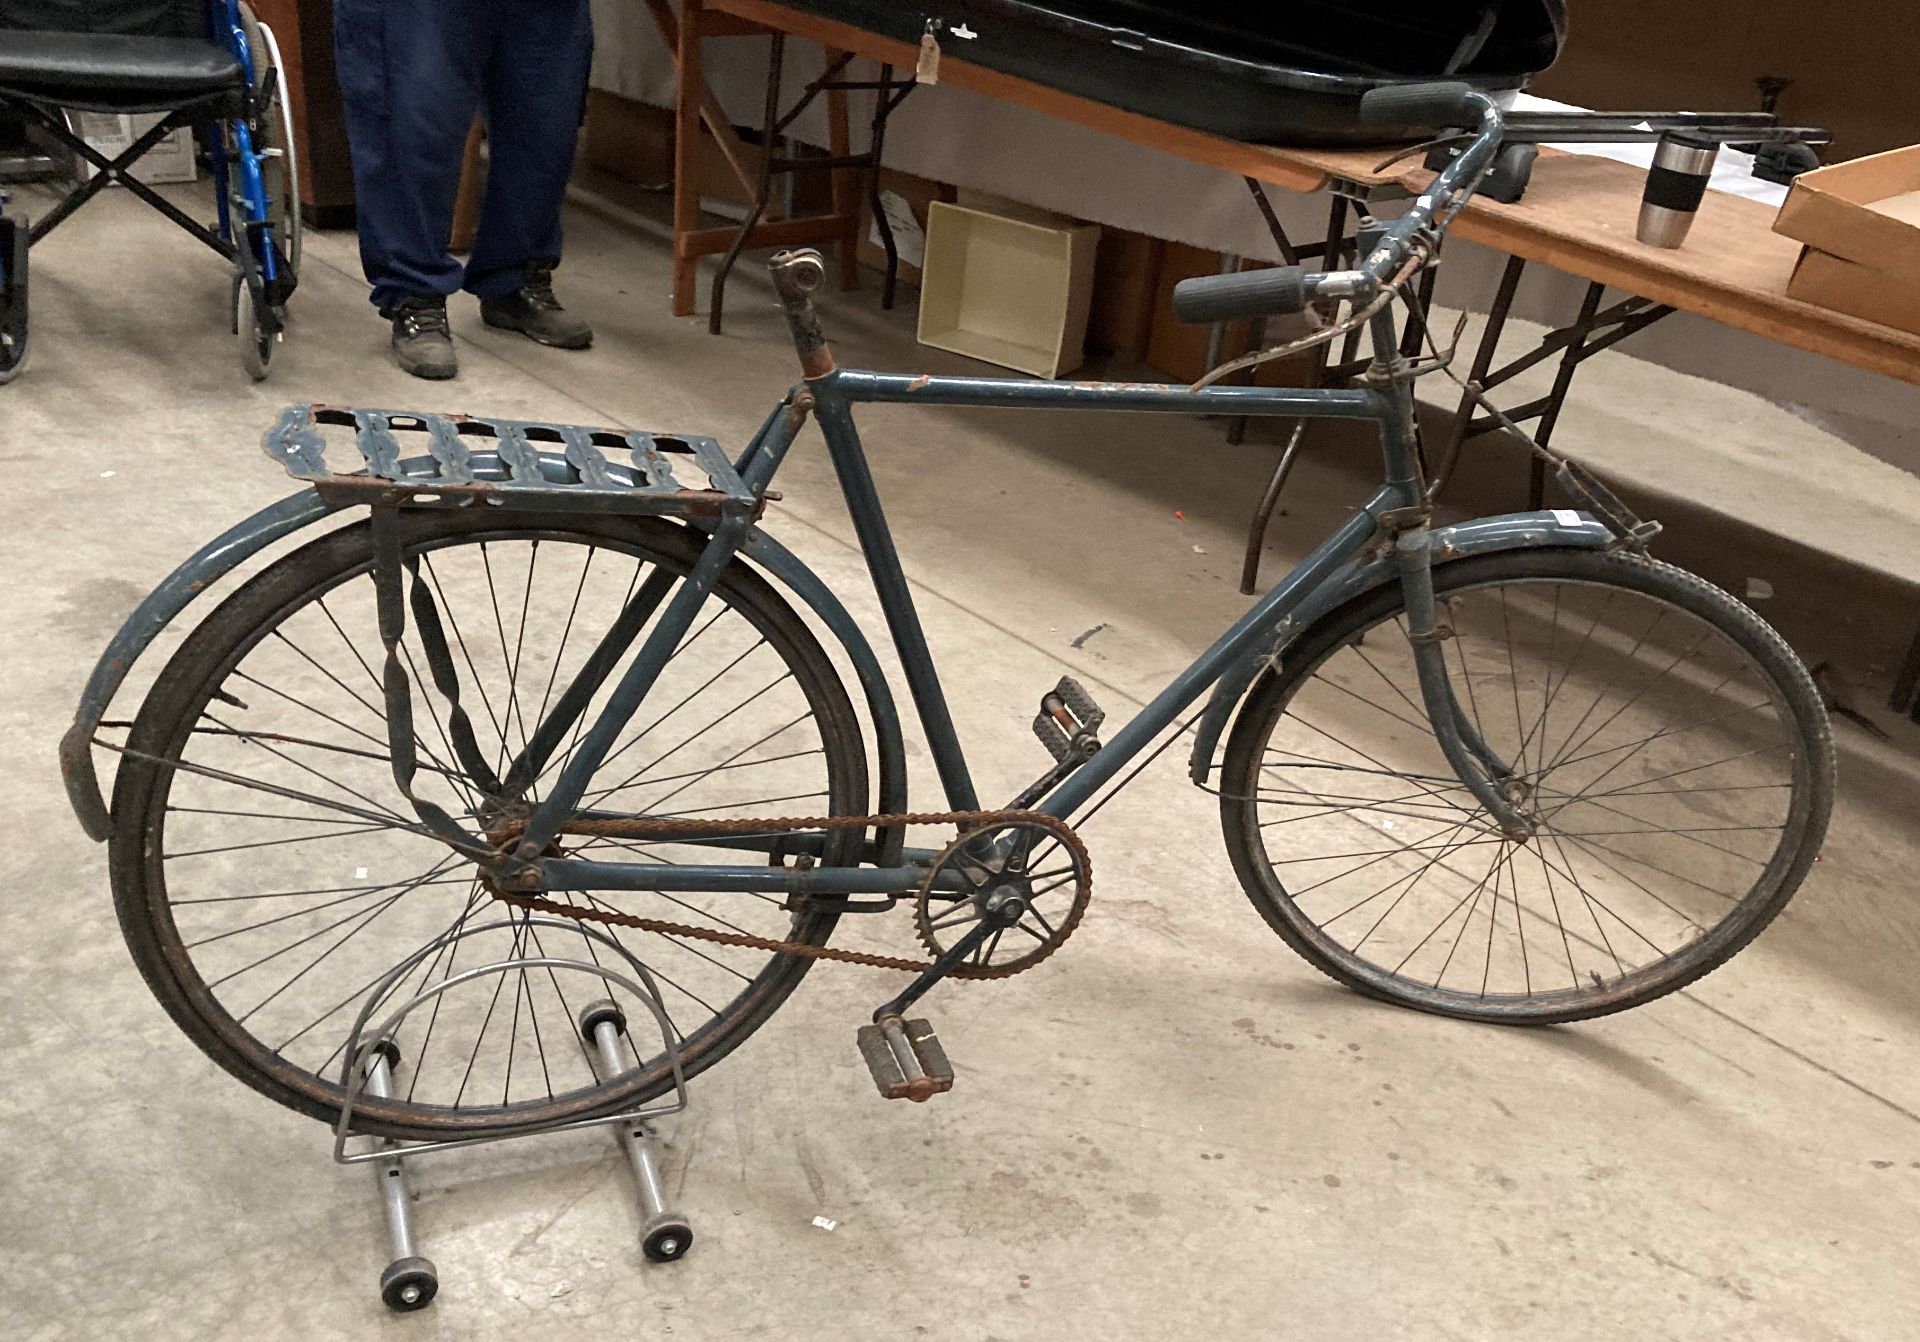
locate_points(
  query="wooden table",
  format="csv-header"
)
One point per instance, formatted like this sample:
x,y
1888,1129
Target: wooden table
x,y
1577,216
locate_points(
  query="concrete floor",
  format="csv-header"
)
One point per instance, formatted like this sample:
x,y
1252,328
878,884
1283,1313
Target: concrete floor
x,y
1173,1129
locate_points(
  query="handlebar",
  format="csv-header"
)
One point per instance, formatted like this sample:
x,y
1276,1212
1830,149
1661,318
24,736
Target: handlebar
x,y
1273,292
1280,290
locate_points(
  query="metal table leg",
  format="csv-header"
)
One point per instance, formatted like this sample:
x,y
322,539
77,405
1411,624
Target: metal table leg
x,y
888,92
1594,329
1331,252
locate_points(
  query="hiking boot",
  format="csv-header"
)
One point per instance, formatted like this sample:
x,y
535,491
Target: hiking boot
x,y
421,341
533,311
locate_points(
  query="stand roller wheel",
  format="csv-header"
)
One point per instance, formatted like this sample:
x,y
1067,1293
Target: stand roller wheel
x,y
408,1284
668,1237
603,1012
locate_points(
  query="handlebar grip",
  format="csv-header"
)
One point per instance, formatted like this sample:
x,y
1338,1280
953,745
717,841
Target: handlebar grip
x,y
1445,103
1273,292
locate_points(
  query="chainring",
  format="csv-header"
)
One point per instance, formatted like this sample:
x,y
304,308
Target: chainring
x,y
1012,853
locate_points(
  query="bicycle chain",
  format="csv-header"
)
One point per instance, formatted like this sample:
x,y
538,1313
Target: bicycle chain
x,y
968,822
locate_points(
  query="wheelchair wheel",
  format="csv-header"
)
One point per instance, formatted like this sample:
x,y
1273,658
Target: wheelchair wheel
x,y
13,298
273,138
256,341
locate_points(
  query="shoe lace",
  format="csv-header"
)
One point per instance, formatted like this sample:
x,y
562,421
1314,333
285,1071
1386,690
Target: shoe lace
x,y
423,321
537,288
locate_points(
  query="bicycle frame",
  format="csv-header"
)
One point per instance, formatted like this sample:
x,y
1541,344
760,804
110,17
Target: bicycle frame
x,y
1386,539
1330,573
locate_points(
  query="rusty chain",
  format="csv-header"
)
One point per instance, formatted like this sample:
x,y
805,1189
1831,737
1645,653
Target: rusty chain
x,y
969,822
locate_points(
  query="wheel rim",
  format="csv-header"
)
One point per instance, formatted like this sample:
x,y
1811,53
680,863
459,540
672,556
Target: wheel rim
x,y
275,917
1660,762
287,223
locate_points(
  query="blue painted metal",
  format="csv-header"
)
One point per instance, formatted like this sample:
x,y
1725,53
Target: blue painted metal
x,y
1013,393
204,568
176,592
1253,629
1346,564
552,811
253,187
1477,769
1360,575
889,746
896,601
572,873
768,449
369,469
1435,207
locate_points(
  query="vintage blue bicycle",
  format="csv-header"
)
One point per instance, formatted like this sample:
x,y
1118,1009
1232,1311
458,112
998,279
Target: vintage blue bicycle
x,y
558,677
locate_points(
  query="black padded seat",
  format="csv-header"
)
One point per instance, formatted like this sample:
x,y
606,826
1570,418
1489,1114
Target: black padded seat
x,y
101,69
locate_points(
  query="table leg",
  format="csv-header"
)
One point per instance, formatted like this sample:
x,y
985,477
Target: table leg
x,y
691,83
1330,254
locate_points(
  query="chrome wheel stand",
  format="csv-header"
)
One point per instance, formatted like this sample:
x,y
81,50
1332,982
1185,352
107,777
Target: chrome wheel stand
x,y
372,1058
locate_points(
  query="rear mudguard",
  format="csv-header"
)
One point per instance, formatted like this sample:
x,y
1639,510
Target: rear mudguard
x,y
1555,529
221,556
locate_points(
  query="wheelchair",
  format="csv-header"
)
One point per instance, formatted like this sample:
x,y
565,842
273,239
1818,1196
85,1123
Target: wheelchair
x,y
210,65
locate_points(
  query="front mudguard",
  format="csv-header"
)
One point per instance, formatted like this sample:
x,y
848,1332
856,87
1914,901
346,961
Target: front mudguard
x,y
1549,529
221,556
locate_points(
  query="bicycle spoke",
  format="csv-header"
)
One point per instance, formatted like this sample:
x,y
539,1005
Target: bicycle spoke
x,y
1632,831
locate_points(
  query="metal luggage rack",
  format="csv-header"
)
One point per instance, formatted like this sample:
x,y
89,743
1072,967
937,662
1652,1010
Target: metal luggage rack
x,y
372,1057
356,456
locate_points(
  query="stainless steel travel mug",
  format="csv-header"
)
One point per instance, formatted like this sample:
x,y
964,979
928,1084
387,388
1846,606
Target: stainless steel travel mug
x,y
1676,185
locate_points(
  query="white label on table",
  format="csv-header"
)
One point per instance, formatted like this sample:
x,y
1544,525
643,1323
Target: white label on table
x,y
908,237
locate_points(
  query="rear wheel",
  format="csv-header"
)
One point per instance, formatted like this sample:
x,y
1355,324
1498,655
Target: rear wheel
x,y
268,873
1668,746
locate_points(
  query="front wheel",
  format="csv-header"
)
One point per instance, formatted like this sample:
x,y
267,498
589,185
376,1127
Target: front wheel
x,y
1669,748
250,332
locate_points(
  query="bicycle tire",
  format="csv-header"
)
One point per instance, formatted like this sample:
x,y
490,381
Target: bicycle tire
x,y
1795,701
248,617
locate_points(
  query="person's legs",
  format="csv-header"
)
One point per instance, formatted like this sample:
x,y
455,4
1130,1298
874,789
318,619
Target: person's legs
x,y
411,74
535,88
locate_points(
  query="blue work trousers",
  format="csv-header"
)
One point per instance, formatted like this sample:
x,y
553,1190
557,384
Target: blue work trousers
x,y
412,74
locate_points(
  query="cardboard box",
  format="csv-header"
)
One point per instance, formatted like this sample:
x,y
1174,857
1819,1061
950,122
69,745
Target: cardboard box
x,y
1860,291
1125,268
1008,291
723,194
631,140
1179,349
113,133
1866,211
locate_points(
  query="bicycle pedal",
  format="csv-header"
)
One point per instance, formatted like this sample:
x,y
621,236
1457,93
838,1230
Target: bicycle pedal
x,y
905,1058
1068,721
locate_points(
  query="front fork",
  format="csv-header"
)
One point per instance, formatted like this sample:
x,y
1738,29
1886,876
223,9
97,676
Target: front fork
x,y
1479,768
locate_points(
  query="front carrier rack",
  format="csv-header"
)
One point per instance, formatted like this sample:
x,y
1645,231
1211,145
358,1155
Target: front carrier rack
x,y
356,456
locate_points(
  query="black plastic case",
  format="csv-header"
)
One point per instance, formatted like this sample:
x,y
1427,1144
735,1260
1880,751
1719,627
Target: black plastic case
x,y
1289,73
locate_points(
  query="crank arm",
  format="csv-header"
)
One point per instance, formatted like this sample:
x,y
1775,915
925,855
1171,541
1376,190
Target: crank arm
x,y
997,919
